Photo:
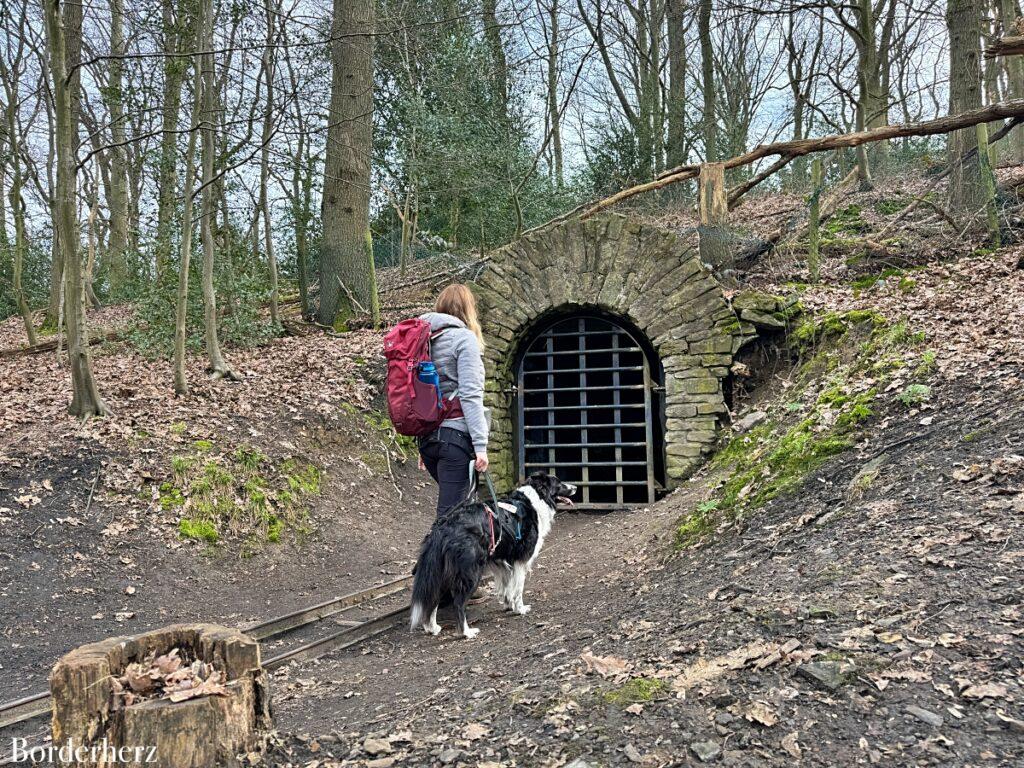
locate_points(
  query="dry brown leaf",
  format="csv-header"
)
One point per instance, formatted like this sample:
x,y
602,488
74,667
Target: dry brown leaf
x,y
605,666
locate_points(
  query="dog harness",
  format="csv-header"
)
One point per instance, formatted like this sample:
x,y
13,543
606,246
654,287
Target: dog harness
x,y
507,514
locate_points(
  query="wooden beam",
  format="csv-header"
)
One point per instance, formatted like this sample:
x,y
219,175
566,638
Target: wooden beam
x,y
801,147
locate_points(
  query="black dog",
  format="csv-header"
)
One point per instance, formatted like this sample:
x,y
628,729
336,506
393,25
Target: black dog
x,y
472,538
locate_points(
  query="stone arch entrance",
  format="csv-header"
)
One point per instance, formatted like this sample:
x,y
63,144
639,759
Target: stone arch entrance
x,y
649,279
589,408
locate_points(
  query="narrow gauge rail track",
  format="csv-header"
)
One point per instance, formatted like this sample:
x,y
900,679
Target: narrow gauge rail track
x,y
353,633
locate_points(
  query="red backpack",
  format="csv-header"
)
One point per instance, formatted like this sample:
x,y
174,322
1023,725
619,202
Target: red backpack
x,y
415,406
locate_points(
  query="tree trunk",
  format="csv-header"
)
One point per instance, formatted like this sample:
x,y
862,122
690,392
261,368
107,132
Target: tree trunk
x,y
707,66
167,173
554,118
71,21
1014,78
677,82
204,27
185,257
117,246
348,281
86,399
268,234
492,33
813,256
966,186
18,210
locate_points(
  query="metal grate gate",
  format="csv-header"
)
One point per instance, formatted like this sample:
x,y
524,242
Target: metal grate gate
x,y
585,412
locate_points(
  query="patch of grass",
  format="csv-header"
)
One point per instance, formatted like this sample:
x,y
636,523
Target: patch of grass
x,y
201,530
915,394
170,497
907,285
240,494
178,428
637,690
927,366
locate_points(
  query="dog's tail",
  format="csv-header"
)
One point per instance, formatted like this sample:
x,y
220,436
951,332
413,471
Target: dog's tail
x,y
426,585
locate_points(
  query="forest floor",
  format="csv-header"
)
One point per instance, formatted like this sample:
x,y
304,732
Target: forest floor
x,y
869,615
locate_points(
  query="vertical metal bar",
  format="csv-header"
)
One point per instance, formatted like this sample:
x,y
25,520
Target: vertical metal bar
x,y
617,418
585,452
520,396
650,431
550,358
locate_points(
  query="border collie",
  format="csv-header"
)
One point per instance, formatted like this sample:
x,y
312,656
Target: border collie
x,y
471,539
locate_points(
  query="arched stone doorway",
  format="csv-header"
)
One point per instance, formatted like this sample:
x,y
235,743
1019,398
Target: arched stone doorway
x,y
652,282
589,407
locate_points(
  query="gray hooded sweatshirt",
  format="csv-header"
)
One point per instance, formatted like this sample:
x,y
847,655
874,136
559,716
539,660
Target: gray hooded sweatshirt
x,y
460,366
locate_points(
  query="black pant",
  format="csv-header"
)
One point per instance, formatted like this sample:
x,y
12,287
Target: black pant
x,y
447,454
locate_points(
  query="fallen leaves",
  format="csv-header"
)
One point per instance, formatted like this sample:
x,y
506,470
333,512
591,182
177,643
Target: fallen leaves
x,y
983,691
605,666
166,676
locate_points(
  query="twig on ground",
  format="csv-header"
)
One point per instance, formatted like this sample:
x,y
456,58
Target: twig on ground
x,y
92,490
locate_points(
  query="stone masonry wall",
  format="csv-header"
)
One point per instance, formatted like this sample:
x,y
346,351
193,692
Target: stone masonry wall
x,y
643,274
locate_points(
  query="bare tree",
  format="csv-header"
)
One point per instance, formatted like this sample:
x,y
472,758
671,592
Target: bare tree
x,y
85,399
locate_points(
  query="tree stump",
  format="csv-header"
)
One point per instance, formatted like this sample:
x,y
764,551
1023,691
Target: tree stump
x,y
197,733
715,239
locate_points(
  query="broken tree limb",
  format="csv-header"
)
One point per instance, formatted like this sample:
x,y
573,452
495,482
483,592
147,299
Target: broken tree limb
x,y
1011,45
801,147
51,344
741,189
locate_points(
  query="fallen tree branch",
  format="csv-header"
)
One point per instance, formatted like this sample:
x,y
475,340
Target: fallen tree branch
x,y
742,189
51,344
802,147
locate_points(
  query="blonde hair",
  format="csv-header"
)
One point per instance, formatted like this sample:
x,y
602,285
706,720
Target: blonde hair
x,y
458,301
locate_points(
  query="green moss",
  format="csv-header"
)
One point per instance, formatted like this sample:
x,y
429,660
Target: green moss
x,y
170,497
203,446
868,281
696,525
890,206
178,428
907,285
637,690
202,530
242,495
848,221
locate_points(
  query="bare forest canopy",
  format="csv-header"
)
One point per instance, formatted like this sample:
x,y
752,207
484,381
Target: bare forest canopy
x,y
230,168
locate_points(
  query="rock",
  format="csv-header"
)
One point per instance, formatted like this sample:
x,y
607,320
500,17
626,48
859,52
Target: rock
x,y
925,716
380,762
449,756
827,674
632,754
724,718
579,762
376,746
749,421
706,751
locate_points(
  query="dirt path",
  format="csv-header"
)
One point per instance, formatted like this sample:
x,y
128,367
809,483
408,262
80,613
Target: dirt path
x,y
831,627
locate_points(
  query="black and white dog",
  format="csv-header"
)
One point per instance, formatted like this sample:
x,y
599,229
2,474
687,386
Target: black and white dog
x,y
471,539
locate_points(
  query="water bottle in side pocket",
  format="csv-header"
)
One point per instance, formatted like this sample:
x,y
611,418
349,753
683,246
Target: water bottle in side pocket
x,y
428,375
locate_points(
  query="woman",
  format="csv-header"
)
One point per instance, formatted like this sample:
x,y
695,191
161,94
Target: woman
x,y
457,352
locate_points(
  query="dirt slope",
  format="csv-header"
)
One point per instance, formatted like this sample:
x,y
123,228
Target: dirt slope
x,y
871,616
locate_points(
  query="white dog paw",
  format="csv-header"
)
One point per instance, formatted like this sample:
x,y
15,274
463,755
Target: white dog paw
x,y
522,610
434,630
470,632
